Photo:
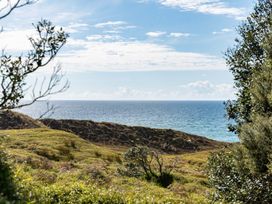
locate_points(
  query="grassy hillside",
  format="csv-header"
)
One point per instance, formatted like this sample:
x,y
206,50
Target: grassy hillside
x,y
62,167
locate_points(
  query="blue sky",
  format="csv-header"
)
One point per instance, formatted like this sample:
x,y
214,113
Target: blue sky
x,y
137,49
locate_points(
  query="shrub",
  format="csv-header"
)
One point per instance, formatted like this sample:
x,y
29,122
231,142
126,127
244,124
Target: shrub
x,y
66,166
46,177
98,175
70,143
65,152
97,154
114,158
42,163
141,161
234,182
73,193
8,188
47,153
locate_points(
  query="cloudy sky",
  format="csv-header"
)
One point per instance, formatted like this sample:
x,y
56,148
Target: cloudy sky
x,y
137,49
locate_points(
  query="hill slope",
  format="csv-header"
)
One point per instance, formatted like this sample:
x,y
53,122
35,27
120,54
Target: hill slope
x,y
62,166
115,135
14,120
165,140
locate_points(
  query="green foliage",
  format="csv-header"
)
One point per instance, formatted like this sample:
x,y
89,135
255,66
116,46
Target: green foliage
x,y
73,193
256,137
14,71
261,88
8,188
246,58
141,161
244,175
234,182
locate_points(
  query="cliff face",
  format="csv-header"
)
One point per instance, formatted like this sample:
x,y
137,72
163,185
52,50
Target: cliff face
x,y
165,140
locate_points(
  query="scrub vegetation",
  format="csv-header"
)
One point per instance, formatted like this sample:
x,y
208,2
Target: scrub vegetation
x,y
52,166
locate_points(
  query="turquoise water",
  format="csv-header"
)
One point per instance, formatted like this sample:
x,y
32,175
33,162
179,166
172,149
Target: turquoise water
x,y
205,118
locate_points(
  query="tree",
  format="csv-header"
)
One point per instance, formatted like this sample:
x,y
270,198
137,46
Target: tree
x,y
246,58
15,70
261,89
256,136
244,174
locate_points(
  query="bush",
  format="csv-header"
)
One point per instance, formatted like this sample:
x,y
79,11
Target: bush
x,y
141,161
234,182
8,188
98,174
73,193
244,174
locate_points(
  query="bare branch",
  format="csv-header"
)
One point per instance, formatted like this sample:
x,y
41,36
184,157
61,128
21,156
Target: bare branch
x,y
53,87
9,6
50,110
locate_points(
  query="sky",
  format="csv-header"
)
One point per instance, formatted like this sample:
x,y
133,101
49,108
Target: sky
x,y
136,49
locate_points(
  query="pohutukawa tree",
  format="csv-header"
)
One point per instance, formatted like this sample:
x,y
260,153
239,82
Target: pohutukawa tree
x,y
14,70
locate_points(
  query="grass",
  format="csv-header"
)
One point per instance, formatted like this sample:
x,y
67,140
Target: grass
x,y
53,159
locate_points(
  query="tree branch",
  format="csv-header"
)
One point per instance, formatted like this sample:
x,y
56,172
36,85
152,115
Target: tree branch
x,y
11,7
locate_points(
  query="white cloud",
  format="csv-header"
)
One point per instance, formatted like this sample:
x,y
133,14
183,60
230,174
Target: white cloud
x,y
226,30
198,90
103,37
110,24
155,34
75,27
67,17
114,53
114,25
199,86
208,91
222,31
16,40
123,55
178,35
215,7
112,31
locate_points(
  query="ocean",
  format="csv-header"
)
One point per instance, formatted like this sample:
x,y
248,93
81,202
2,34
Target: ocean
x,y
204,118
